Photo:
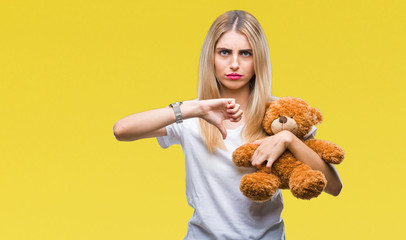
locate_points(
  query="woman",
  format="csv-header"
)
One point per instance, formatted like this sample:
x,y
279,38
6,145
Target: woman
x,y
234,78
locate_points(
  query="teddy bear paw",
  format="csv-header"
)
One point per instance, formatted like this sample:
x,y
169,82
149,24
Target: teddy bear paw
x,y
307,184
243,155
335,155
259,186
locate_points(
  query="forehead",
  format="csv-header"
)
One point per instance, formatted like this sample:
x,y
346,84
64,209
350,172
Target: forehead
x,y
233,40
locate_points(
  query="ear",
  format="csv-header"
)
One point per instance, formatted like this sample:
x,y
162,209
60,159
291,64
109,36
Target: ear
x,y
317,117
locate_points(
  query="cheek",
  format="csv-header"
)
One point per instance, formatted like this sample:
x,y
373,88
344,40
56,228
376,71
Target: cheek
x,y
218,65
249,66
252,66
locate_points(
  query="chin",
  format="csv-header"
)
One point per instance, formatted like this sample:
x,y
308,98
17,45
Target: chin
x,y
233,86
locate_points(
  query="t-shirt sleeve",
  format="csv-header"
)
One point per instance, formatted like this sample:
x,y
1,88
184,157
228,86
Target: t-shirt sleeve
x,y
312,133
173,135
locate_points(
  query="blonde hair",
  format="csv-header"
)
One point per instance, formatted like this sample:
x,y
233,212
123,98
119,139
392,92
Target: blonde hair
x,y
260,90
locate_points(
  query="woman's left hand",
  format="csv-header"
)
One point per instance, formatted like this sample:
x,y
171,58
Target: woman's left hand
x,y
270,148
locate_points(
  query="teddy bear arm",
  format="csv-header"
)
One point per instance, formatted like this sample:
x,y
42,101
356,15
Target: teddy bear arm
x,y
328,151
259,186
243,155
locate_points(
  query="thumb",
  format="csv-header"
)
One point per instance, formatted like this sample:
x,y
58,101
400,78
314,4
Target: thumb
x,y
223,130
258,142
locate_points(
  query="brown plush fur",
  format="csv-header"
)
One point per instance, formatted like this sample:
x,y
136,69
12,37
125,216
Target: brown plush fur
x,y
295,115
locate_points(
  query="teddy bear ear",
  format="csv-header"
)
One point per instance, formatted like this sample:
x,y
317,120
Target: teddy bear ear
x,y
317,117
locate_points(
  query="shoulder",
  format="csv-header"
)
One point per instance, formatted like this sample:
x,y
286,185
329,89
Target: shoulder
x,y
272,98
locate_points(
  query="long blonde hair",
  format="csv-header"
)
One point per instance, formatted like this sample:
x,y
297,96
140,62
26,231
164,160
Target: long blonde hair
x,y
260,91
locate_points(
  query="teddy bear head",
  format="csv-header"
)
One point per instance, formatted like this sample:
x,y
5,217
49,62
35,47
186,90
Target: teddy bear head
x,y
292,114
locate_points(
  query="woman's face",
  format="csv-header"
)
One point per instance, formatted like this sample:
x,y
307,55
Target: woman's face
x,y
233,61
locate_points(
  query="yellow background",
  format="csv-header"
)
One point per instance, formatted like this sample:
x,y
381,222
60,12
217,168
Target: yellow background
x,y
70,69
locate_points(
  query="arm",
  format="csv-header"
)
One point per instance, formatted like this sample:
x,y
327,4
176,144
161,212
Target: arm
x,y
272,147
152,123
305,154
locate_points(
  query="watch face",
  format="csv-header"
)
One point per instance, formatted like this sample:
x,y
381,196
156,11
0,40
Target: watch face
x,y
175,104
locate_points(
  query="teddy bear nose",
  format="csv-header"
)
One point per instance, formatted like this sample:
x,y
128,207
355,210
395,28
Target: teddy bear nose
x,y
283,119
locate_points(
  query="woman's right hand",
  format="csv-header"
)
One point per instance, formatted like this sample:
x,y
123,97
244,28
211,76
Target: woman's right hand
x,y
215,111
152,123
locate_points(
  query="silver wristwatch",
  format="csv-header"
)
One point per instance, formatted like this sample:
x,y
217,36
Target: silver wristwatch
x,y
178,113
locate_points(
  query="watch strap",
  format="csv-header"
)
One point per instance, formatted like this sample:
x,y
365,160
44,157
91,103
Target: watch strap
x,y
178,113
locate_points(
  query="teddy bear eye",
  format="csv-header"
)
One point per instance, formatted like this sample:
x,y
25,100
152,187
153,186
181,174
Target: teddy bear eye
x,y
279,115
291,116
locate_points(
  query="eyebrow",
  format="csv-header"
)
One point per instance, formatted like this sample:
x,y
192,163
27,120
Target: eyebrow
x,y
249,50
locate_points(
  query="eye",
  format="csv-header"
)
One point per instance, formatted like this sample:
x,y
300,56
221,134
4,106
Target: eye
x,y
223,52
291,116
246,53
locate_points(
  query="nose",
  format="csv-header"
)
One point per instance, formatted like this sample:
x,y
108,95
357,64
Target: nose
x,y
283,119
234,64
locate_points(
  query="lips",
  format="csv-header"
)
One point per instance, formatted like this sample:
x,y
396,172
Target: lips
x,y
234,76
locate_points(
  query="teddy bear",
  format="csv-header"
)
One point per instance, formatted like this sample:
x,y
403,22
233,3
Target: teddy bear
x,y
295,115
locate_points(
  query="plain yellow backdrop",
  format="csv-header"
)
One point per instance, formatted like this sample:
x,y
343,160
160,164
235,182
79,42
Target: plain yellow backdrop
x,y
70,69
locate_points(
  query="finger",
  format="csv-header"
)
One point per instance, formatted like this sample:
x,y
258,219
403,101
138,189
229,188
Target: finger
x,y
269,165
232,110
257,158
258,161
254,156
235,120
230,102
235,109
236,115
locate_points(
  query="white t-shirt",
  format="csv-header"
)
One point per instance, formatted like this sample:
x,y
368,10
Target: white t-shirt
x,y
212,190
